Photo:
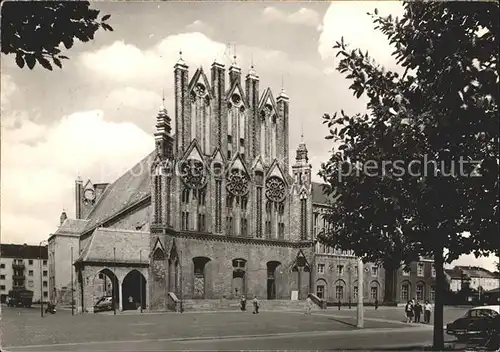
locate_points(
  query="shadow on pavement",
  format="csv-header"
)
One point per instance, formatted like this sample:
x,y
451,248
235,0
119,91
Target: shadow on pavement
x,y
343,322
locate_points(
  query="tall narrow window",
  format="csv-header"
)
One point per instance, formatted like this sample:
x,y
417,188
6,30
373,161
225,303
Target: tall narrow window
x,y
268,218
169,206
263,138
229,131
229,225
185,196
303,219
218,206
281,223
207,127
158,199
259,212
273,138
185,220
194,113
229,146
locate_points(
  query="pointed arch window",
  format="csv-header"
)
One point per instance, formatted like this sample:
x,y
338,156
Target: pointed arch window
x,y
218,206
281,221
185,196
269,206
273,138
229,131
303,218
158,199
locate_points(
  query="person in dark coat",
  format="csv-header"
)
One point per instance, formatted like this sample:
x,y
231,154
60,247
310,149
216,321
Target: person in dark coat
x,y
339,304
418,311
376,304
243,303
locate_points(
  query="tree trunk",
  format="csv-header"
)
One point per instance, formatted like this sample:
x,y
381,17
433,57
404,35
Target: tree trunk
x,y
390,287
438,339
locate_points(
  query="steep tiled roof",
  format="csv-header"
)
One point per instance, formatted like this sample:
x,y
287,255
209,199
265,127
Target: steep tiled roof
x,y
23,251
319,197
475,271
131,187
453,273
127,245
71,227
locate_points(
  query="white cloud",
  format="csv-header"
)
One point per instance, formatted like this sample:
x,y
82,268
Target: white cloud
x,y
127,64
40,164
199,26
7,89
349,19
132,97
303,16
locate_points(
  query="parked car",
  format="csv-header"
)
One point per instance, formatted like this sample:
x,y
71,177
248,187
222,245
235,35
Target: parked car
x,y
104,304
478,322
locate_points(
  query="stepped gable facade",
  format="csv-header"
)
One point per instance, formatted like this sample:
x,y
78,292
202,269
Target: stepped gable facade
x,y
214,211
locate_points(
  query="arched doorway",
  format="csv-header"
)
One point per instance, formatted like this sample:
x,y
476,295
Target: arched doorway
x,y
271,279
199,284
374,291
105,284
239,271
134,290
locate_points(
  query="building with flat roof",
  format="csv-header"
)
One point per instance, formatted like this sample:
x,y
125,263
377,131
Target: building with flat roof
x,y
24,266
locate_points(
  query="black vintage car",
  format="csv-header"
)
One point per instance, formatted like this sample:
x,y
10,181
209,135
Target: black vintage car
x,y
478,322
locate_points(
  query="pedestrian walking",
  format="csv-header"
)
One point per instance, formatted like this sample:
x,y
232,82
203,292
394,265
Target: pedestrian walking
x,y
376,304
427,312
409,311
256,305
309,303
339,304
417,308
243,303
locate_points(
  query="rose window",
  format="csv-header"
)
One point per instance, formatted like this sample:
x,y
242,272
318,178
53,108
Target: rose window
x,y
200,90
193,173
237,182
275,189
236,99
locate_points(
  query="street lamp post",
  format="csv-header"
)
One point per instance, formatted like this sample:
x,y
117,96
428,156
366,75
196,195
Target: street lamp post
x,y
140,280
41,277
180,288
360,315
114,280
72,289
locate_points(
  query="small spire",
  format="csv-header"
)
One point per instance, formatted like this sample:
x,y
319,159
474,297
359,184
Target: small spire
x,y
180,61
283,93
163,110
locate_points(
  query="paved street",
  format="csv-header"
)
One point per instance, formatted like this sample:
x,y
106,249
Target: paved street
x,y
25,330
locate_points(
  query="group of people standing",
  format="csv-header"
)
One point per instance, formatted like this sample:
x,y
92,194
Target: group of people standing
x,y
414,310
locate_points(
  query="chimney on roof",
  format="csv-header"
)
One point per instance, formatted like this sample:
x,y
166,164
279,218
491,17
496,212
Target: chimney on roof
x,y
63,217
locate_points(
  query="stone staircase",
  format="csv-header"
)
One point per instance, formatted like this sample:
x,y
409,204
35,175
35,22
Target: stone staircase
x,y
234,304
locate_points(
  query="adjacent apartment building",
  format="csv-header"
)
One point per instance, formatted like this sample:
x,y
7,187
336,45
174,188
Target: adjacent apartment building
x,y
23,265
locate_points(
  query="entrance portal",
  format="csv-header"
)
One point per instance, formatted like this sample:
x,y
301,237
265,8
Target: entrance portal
x,y
271,279
134,291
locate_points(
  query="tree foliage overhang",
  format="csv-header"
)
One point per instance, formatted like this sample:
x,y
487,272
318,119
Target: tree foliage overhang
x,y
443,109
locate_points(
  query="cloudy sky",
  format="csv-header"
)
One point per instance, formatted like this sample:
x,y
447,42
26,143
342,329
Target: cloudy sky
x,y
95,117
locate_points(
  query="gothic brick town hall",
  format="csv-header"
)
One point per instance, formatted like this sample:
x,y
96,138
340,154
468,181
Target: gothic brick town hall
x,y
214,212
